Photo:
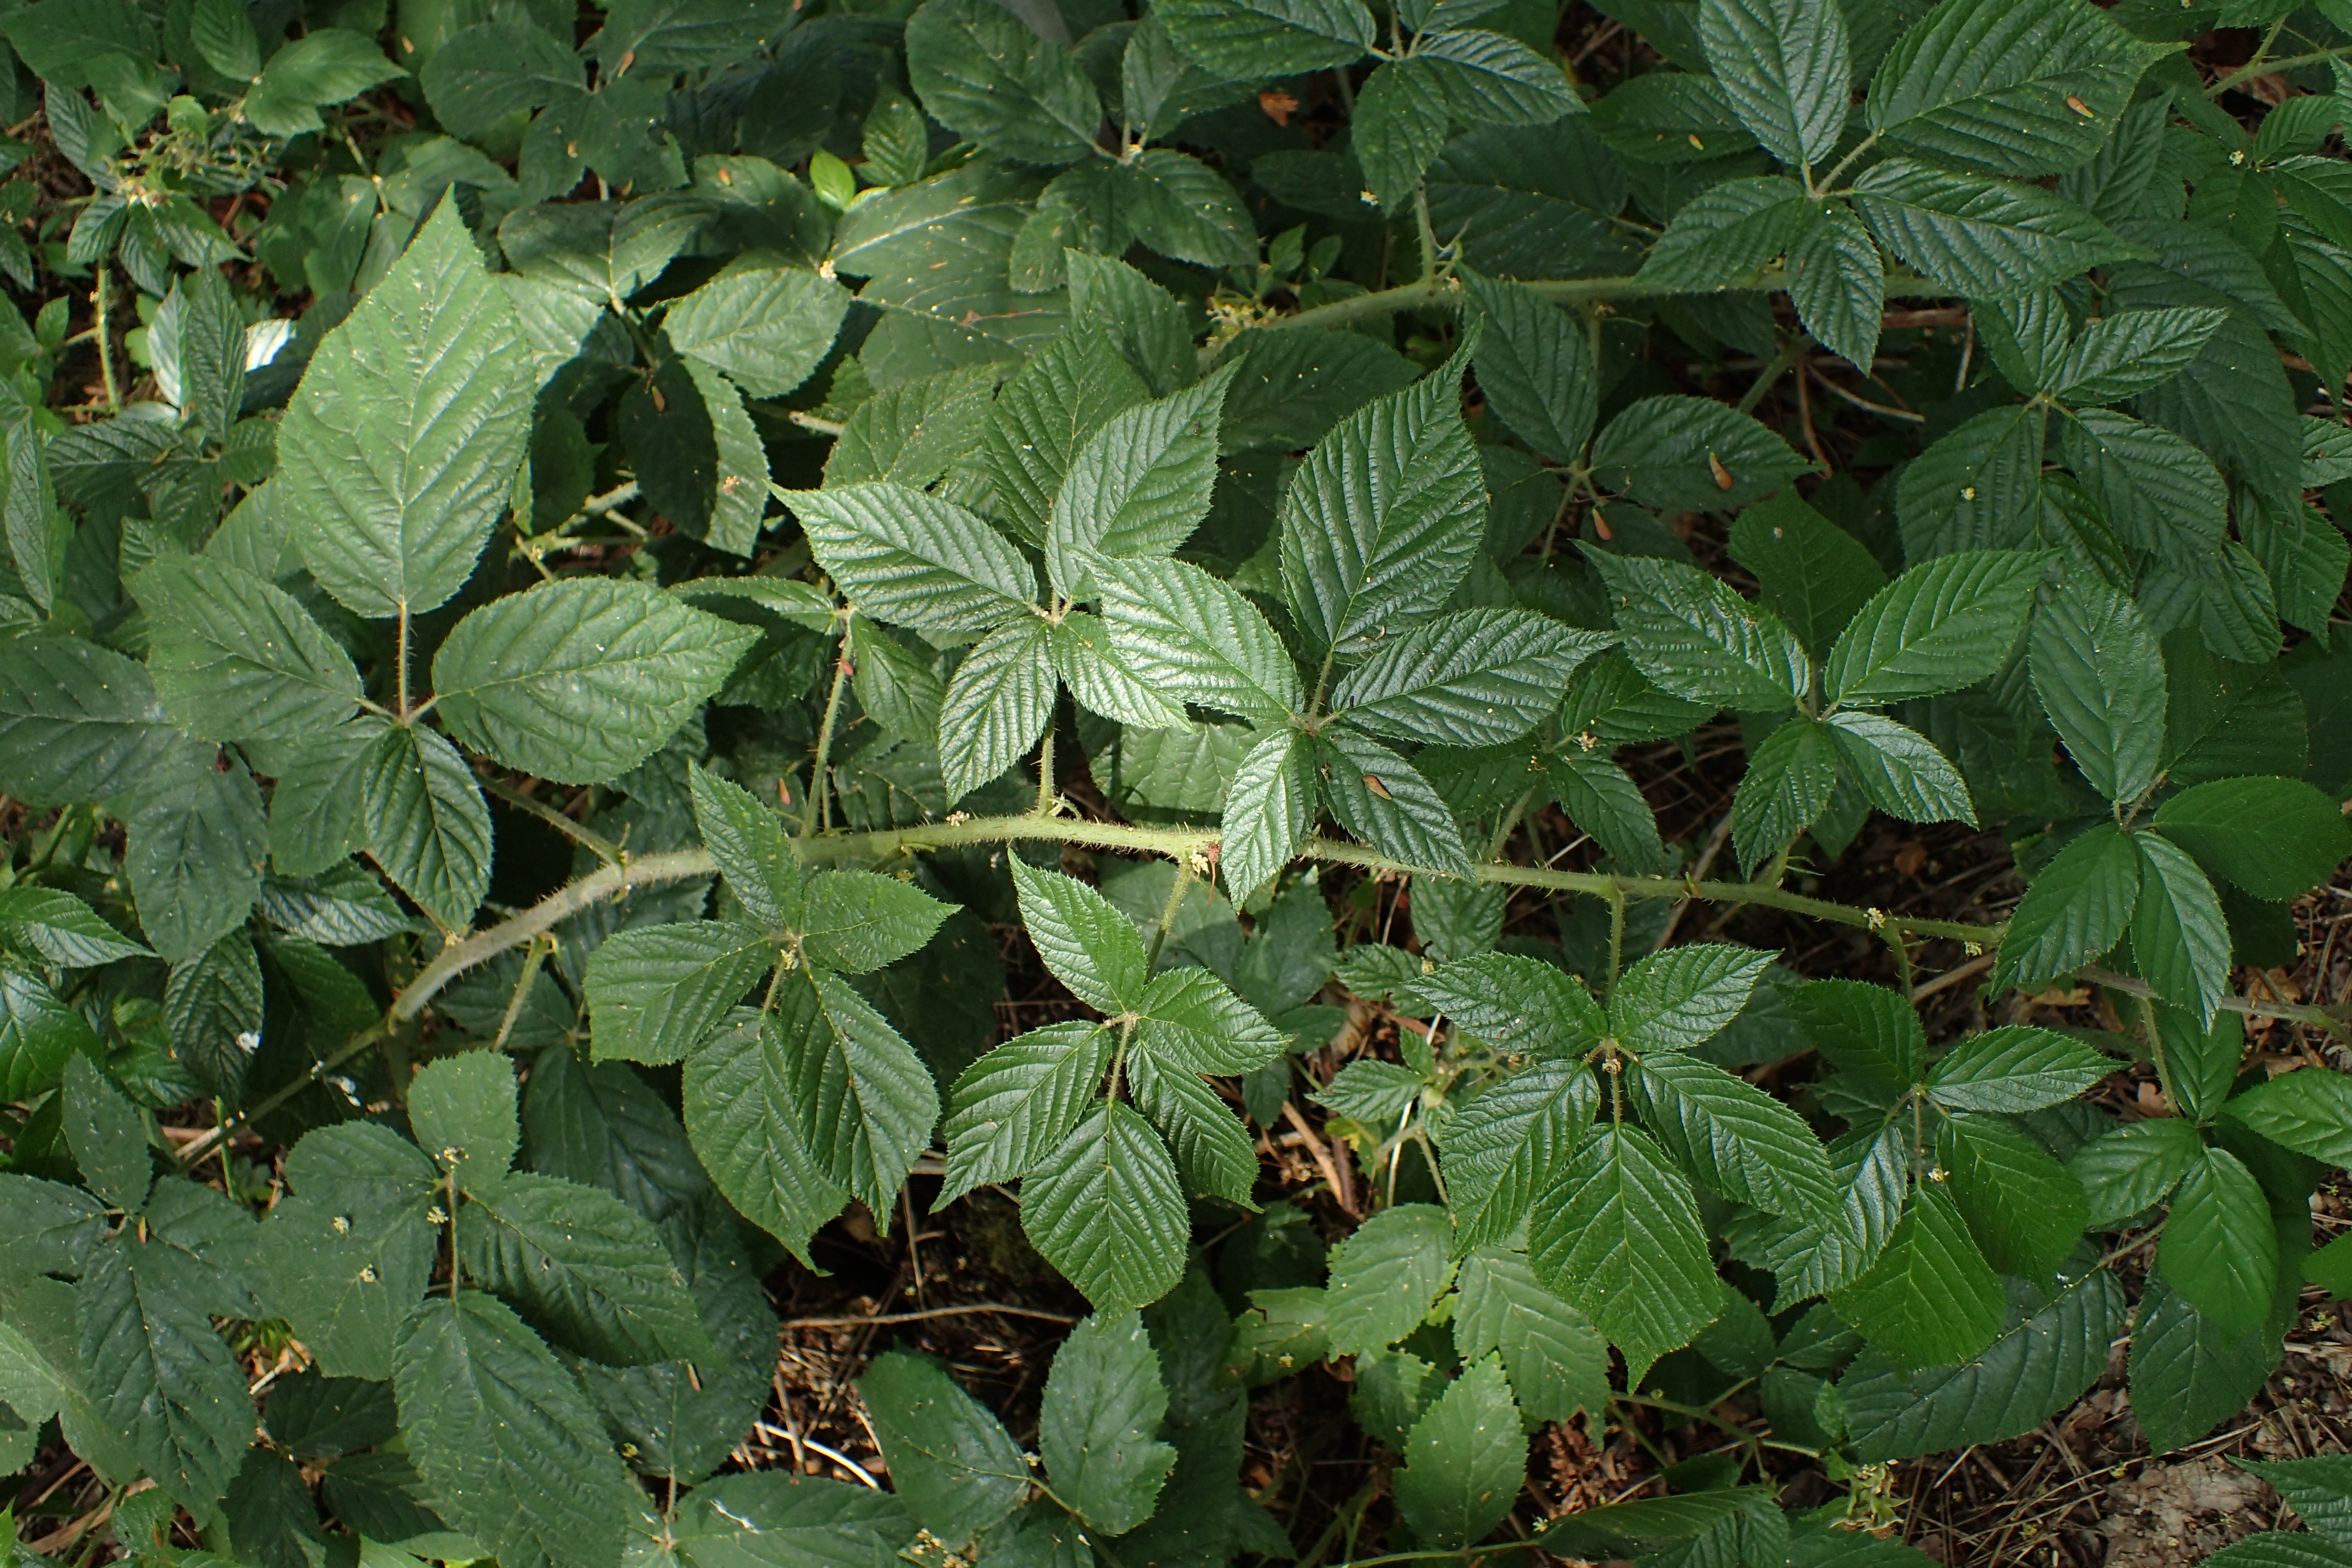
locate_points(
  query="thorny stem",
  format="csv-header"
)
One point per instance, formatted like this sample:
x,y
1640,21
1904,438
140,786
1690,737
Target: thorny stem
x,y
1167,916
98,302
604,848
1179,844
2261,67
400,666
1616,935
1046,772
814,812
1445,293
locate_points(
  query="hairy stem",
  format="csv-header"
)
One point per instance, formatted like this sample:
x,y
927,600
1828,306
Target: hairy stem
x,y
604,848
1445,294
814,812
98,302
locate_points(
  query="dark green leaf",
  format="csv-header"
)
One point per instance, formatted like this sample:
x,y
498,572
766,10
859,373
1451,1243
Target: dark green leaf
x,y
511,1447
1618,1236
1098,1428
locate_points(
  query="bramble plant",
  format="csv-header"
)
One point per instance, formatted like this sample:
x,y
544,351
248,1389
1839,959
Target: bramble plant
x,y
590,573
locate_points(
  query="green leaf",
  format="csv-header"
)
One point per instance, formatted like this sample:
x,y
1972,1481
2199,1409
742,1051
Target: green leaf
x,y
2034,1368
1837,280
2220,1249
1557,1361
897,689
1871,1035
2310,1112
998,702
1535,365
1255,40
196,843
2134,1168
1399,129
1508,1141
1602,799
766,327
1618,1236
1106,1208
2015,1069
1213,1152
580,680
2159,493
747,841
913,559
1691,454
2073,910
1197,639
2318,1489
1680,998
1084,938
1466,1460
1930,1299
51,1228
1994,85
1068,389
742,1109
2186,1377
510,1445
983,74
1268,809
581,1265
1517,1004
1944,625
859,922
235,658
653,992
2179,938
1978,488
1382,519
770,1516
2275,838
1727,233
1982,237
463,1111
212,1012
399,449
913,431
223,33
1382,799
604,1126
425,824
156,1370
1098,1427
1696,637
1386,1276
61,928
327,65
1014,1105
949,1458
1188,1018
108,1140
494,69
1101,679
1784,65
1814,575
1788,785
346,1255
1900,770
2201,1063
39,1033
1181,207
1139,485
2120,355
1475,677
863,1102
345,907
1492,77
2100,676
2025,1210
1733,1136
